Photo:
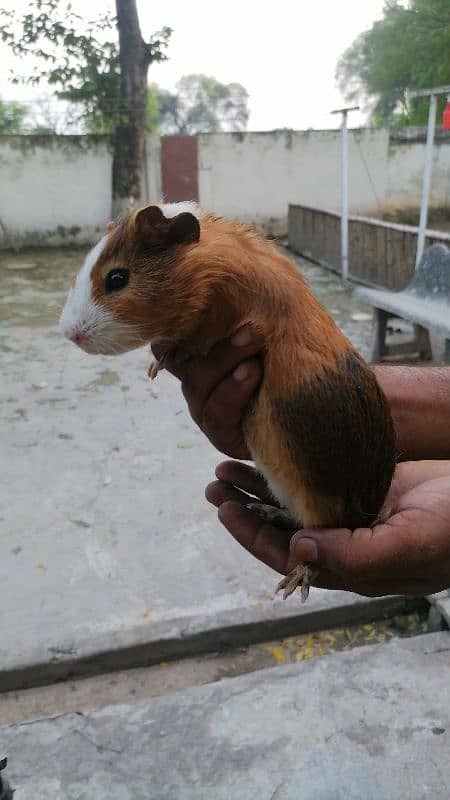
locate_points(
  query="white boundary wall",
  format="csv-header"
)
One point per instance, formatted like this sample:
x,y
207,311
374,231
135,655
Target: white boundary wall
x,y
57,190
54,189
254,176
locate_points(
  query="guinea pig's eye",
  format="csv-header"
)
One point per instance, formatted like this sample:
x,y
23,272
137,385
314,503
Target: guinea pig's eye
x,y
116,279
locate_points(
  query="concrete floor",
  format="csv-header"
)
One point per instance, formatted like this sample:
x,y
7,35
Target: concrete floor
x,y
369,724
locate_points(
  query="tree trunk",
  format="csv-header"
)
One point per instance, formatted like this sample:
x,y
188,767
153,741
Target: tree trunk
x,y
135,58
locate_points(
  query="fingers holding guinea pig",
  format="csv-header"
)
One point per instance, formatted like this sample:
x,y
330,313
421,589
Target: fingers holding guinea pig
x,y
206,372
273,547
264,541
246,478
219,387
221,416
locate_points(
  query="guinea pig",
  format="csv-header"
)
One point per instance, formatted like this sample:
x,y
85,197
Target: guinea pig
x,y
319,429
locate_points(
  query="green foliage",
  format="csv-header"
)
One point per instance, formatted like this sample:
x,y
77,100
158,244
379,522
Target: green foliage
x,y
78,58
162,109
407,49
12,116
199,104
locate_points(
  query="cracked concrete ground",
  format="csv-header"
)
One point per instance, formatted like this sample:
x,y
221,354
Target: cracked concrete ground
x,y
98,691
369,724
104,529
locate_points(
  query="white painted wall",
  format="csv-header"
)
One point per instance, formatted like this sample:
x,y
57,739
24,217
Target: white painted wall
x,y
50,185
57,190
152,172
254,176
405,170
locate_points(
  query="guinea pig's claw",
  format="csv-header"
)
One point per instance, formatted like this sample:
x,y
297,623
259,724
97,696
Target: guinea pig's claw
x,y
153,370
301,576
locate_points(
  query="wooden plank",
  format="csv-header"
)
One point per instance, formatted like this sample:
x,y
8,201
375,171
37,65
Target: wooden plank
x,y
380,253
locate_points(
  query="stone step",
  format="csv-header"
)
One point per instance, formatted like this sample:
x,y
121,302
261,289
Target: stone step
x,y
25,663
368,724
142,683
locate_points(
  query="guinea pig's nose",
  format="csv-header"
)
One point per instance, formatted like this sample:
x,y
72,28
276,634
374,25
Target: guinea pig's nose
x,y
77,334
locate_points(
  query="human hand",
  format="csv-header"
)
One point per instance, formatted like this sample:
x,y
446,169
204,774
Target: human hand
x,y
408,553
219,387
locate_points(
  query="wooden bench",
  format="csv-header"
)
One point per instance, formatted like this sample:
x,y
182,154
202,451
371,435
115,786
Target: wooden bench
x,y
425,302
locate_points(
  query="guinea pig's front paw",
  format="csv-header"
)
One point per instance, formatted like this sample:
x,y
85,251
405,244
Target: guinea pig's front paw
x,y
176,356
301,576
153,369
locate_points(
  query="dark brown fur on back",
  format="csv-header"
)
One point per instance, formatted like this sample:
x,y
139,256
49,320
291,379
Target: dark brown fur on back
x,y
341,435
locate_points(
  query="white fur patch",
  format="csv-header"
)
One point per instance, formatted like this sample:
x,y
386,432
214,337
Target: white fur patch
x,y
80,311
275,488
171,210
99,330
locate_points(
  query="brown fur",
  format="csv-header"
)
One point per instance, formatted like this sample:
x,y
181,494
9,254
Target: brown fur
x,y
320,427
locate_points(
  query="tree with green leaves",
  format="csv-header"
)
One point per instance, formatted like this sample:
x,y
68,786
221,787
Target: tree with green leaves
x,y
12,117
135,57
200,104
100,66
407,49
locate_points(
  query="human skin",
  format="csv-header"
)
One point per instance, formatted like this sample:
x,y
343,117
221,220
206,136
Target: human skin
x,y
409,551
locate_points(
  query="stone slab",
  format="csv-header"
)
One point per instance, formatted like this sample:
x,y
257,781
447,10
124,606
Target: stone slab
x,y
368,724
24,666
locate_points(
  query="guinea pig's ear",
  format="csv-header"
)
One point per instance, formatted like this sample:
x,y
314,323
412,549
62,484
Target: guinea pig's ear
x,y
151,223
183,229
156,229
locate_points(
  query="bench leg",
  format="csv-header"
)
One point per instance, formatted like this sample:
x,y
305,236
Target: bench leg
x,y
379,347
418,346
447,352
422,343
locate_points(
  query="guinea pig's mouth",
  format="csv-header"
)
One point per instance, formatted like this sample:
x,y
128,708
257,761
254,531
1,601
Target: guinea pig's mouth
x,y
109,345
96,347
85,344
109,338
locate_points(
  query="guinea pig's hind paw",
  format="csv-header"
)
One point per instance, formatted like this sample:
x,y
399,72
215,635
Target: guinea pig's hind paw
x,y
280,517
301,575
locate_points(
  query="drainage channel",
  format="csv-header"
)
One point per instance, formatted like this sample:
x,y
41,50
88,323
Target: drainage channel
x,y
90,693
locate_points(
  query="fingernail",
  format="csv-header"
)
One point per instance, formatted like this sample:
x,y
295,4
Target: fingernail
x,y
241,373
305,549
242,337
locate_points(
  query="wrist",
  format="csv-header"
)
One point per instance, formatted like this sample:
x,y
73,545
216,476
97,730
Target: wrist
x,y
419,399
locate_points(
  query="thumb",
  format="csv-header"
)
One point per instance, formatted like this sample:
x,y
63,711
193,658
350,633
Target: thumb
x,y
350,554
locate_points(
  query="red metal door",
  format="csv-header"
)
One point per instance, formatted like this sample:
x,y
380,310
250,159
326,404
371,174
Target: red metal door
x,y
179,168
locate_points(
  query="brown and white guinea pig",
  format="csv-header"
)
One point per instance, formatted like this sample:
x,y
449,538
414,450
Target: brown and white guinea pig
x,y
319,430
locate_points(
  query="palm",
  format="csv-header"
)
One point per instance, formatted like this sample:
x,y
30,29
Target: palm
x,y
408,552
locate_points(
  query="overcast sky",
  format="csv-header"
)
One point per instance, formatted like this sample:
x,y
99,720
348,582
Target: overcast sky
x,y
283,52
